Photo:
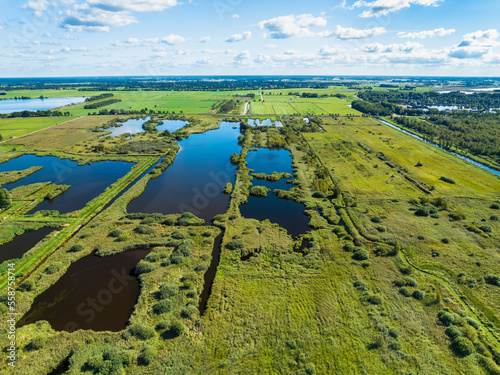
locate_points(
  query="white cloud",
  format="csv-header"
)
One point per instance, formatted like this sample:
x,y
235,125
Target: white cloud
x,y
205,39
242,57
72,49
239,37
381,48
203,61
481,38
383,7
348,33
218,51
93,19
181,52
288,26
236,16
172,39
291,52
133,42
427,33
38,6
329,51
134,5
475,45
468,53
271,46
1,26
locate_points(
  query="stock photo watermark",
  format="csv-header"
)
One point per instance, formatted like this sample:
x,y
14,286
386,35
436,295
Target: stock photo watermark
x,y
11,315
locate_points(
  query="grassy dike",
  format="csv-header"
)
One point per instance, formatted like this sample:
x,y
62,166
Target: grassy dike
x,y
28,264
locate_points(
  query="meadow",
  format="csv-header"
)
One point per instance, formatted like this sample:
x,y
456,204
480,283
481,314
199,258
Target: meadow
x,y
391,276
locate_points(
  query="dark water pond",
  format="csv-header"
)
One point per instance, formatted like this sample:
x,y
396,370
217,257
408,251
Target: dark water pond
x,y
95,293
87,181
22,244
18,105
286,213
195,181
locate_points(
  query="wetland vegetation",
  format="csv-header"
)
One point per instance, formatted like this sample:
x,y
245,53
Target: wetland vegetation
x,y
178,235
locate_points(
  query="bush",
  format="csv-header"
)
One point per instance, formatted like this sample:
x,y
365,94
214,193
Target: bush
x,y
410,281
140,331
235,244
395,346
445,240
26,286
184,248
162,307
492,279
147,356
486,228
349,247
177,259
37,343
446,318
495,206
177,328
201,267
448,180
116,233
178,235
393,332
53,268
473,322
375,299
494,218
168,290
457,215
462,346
144,229
381,229
405,291
164,324
360,254
453,332
152,257
422,211
376,219
418,295
188,311
144,267
76,248
259,191
359,285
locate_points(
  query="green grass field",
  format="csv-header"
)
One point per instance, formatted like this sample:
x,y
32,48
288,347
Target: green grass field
x,y
17,127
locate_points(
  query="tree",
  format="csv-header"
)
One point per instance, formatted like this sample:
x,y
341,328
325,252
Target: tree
x,y
5,199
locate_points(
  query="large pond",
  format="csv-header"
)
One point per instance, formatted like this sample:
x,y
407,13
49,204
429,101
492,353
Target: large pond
x,y
287,214
95,293
18,105
87,181
134,126
22,244
196,180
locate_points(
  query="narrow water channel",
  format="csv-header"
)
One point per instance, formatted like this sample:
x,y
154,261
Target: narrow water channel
x,y
210,274
23,243
95,293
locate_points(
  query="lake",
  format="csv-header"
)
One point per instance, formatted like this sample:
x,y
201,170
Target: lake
x,y
95,293
87,181
23,243
196,180
18,105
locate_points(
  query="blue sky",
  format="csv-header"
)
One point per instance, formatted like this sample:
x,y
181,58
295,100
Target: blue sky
x,y
221,37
